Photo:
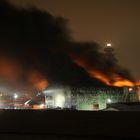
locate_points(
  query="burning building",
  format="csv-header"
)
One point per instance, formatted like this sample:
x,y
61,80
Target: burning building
x,y
37,52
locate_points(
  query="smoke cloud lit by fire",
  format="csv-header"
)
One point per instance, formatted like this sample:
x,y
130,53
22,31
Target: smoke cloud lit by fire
x,y
89,57
37,51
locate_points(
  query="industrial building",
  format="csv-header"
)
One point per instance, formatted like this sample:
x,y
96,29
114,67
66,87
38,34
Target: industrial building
x,y
93,98
88,98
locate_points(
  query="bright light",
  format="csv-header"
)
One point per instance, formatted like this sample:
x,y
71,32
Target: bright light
x,y
130,89
15,96
27,102
59,100
108,44
42,106
109,101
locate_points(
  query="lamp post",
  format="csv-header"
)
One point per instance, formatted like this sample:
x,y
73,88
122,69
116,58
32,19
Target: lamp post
x,y
15,97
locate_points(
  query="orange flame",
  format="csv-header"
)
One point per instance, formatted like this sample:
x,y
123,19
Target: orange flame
x,y
113,80
100,76
123,83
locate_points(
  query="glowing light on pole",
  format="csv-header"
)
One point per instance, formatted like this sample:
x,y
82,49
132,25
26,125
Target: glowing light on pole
x,y
15,96
109,45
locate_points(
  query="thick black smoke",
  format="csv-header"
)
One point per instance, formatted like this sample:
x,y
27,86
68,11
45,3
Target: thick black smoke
x,y
37,41
34,40
90,54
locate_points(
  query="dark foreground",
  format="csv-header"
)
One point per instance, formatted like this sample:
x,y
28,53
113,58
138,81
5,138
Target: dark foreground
x,y
55,124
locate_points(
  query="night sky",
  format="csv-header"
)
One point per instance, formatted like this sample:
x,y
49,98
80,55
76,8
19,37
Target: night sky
x,y
115,21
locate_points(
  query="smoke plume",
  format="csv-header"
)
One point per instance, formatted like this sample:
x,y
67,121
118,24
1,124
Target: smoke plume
x,y
36,51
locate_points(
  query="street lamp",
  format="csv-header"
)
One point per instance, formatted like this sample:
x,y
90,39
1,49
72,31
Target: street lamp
x,y
15,96
109,101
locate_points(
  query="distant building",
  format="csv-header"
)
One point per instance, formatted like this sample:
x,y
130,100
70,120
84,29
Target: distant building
x,y
60,97
87,98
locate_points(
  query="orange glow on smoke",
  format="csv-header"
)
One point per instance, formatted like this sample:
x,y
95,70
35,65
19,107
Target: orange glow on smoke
x,y
100,76
138,83
112,80
9,70
37,80
93,73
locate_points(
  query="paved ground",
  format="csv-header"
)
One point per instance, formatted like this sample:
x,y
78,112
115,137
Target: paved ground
x,y
33,124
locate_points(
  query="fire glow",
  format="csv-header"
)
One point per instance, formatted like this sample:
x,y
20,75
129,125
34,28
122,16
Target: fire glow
x,y
12,72
38,80
116,80
48,55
